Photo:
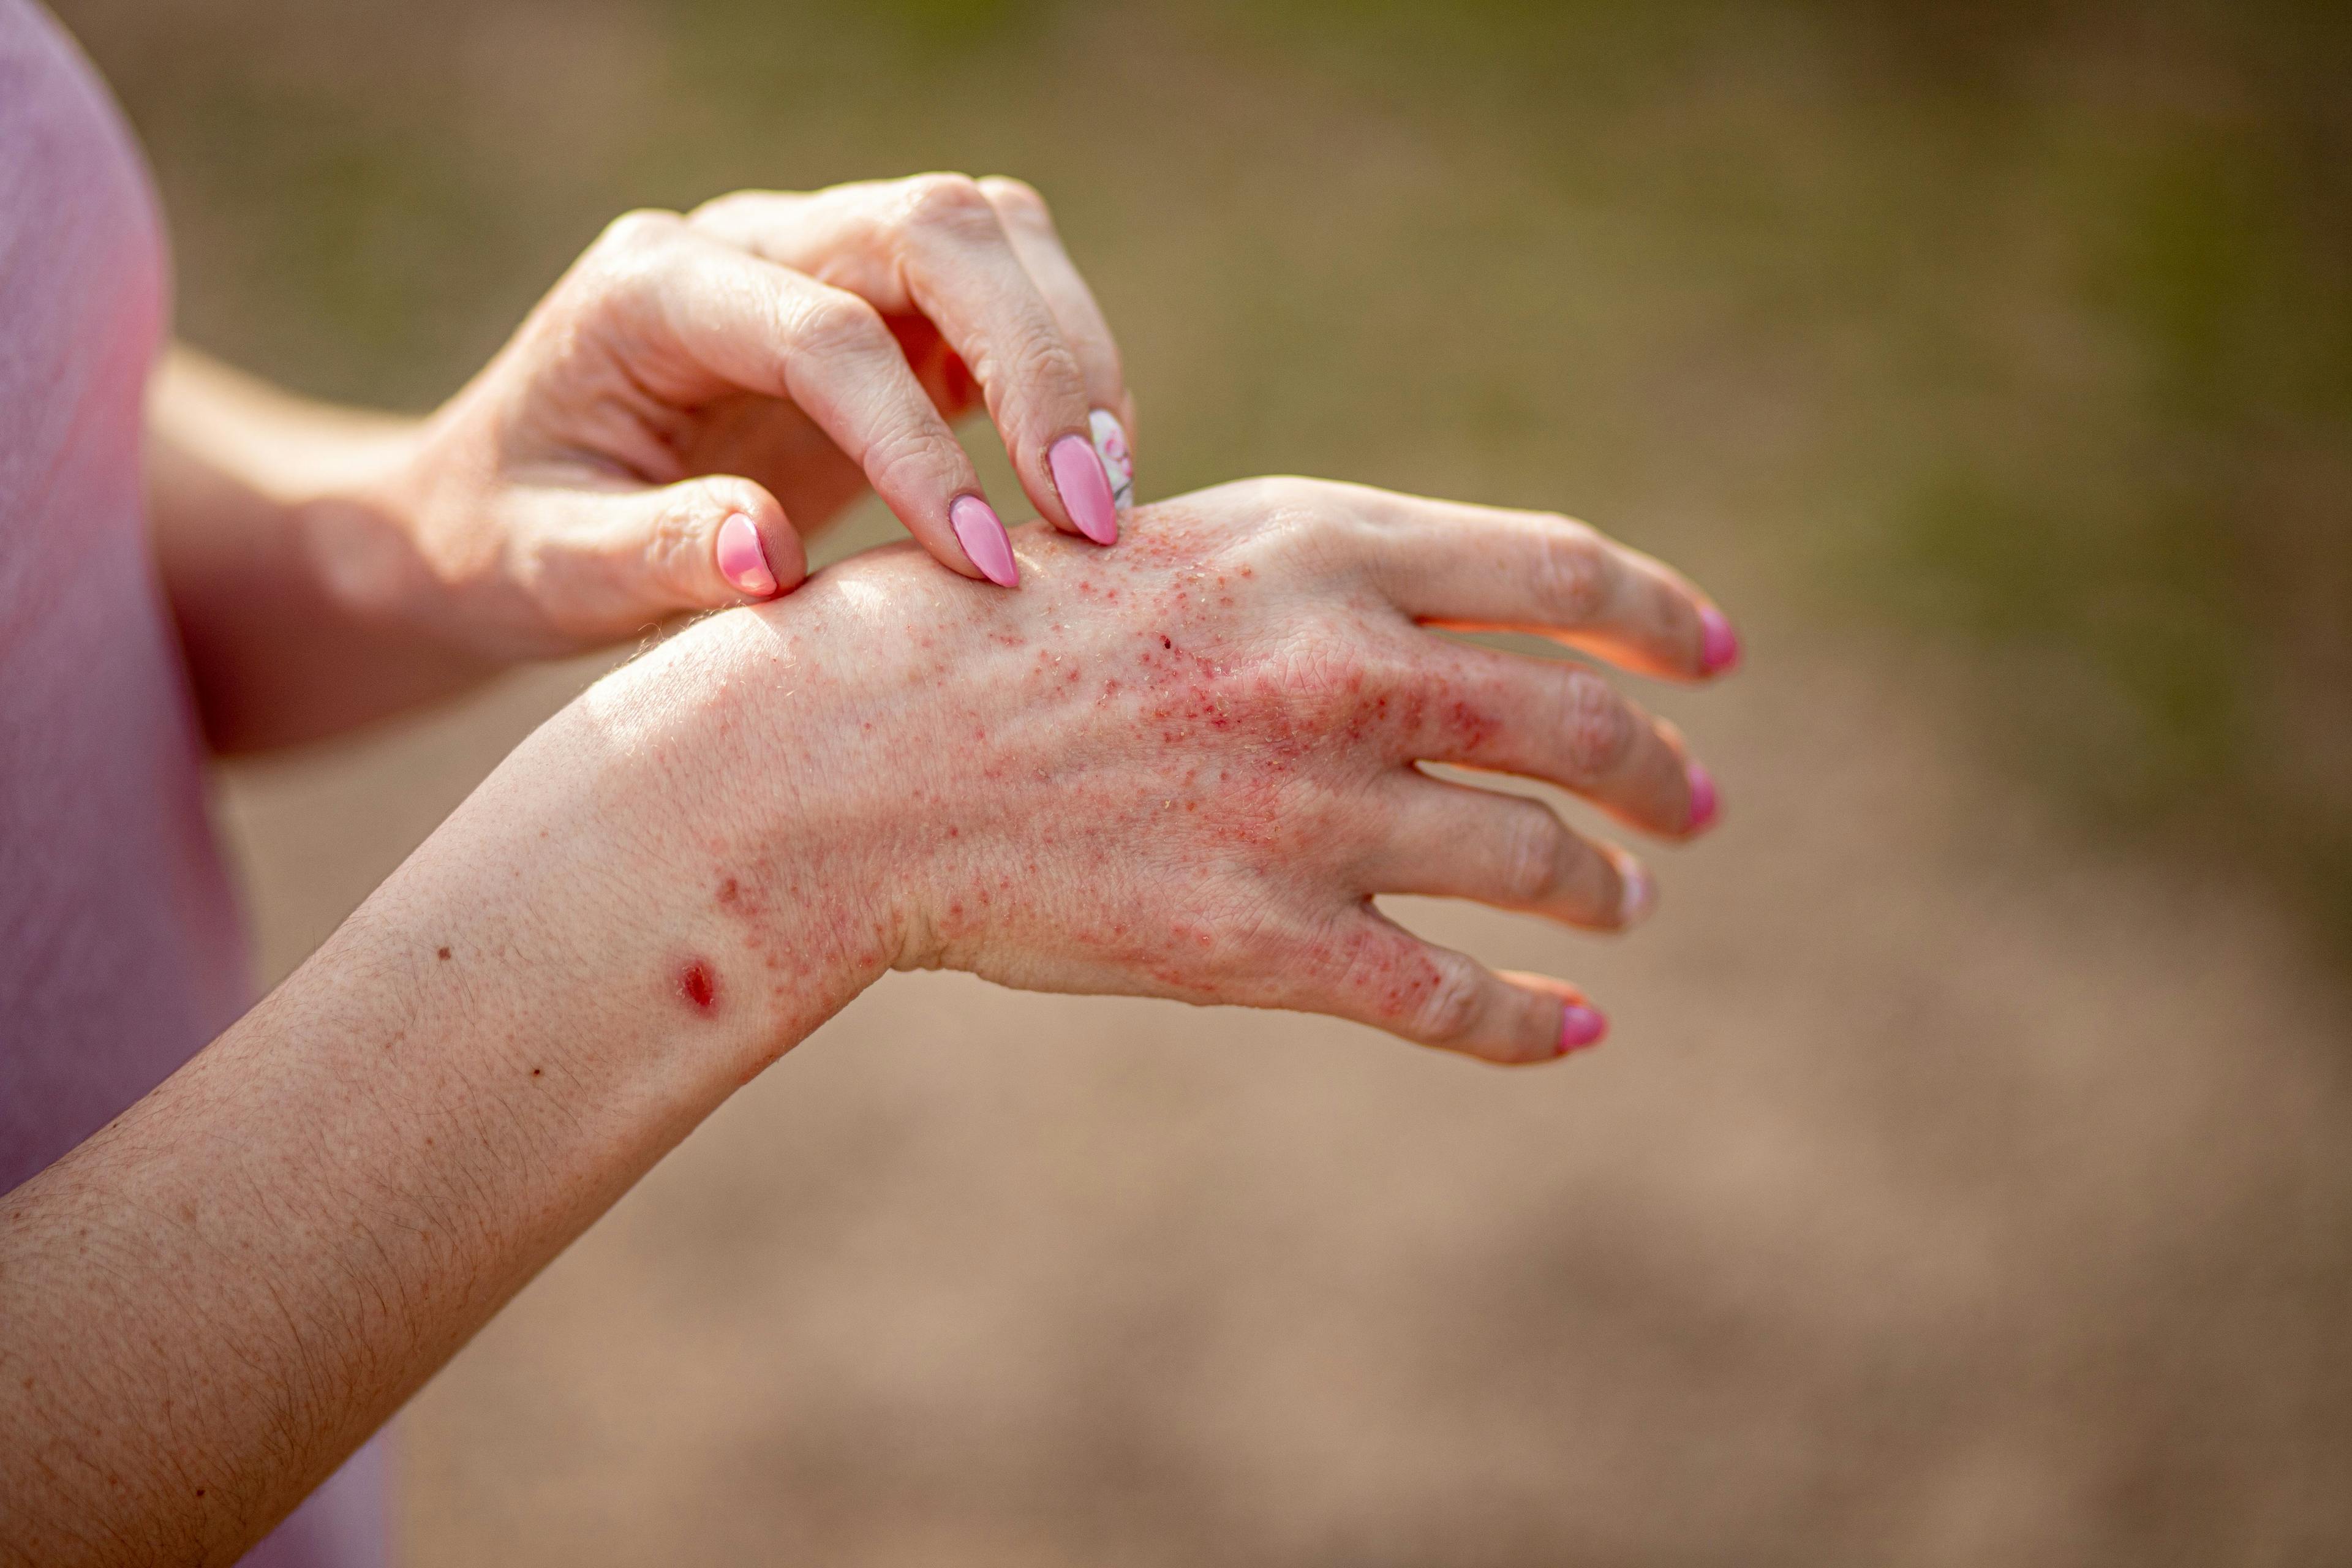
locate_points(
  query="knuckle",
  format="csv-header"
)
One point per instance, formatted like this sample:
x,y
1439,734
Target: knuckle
x,y
716,209
1597,728
1314,682
1448,1009
722,211
1016,199
1293,522
1534,851
831,323
1039,358
1571,575
914,459
945,204
1287,493
674,552
624,263
635,233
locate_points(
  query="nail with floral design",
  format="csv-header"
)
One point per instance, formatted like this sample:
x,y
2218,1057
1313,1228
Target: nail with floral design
x,y
1110,445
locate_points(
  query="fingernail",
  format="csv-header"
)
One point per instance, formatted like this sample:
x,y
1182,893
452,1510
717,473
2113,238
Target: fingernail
x,y
1110,445
1719,644
1636,892
742,560
1085,487
1581,1027
986,544
1703,800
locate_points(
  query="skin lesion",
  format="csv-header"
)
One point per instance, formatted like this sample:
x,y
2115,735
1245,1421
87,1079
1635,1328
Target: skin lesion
x,y
697,985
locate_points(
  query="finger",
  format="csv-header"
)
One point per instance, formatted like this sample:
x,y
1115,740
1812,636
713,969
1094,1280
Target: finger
x,y
741,322
1029,222
1371,970
1487,569
934,244
1455,841
1563,723
620,558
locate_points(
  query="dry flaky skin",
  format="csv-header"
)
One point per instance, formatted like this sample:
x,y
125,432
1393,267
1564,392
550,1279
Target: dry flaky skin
x,y
1177,768
1180,767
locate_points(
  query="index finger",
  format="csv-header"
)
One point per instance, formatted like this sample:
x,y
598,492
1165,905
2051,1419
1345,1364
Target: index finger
x,y
1029,223
936,245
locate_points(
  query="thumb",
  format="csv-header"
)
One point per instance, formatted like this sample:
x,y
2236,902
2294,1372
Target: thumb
x,y
704,543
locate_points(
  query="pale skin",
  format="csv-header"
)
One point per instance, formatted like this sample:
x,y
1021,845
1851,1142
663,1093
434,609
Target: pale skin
x,y
1182,767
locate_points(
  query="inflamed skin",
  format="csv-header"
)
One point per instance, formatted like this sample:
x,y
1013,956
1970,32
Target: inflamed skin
x,y
1182,766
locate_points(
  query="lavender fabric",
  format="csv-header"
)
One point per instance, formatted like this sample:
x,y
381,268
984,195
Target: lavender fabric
x,y
122,951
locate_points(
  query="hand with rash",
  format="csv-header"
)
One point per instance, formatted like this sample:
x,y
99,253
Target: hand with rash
x,y
1183,768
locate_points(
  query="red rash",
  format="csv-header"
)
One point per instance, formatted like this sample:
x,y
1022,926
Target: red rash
x,y
699,986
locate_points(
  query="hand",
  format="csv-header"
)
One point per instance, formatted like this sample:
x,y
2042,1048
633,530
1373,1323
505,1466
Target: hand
x,y
699,392
1180,768
1183,768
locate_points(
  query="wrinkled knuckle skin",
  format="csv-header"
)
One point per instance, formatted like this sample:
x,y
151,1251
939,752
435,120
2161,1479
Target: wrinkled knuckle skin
x,y
674,552
1050,363
833,326
913,462
953,205
1532,857
1570,580
1596,728
1315,679
1448,1011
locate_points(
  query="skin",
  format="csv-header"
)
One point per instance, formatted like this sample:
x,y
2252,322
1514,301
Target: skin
x,y
1176,769
1180,767
770,355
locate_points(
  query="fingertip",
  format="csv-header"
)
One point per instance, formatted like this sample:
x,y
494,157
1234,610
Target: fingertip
x,y
1083,482
721,540
1706,803
1718,642
743,559
985,543
1116,454
1566,1017
1637,891
1581,1027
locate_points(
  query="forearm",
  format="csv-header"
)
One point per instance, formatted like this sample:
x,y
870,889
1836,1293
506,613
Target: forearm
x,y
209,1304
285,561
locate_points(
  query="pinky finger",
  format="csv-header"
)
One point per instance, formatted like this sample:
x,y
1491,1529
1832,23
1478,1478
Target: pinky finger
x,y
1381,973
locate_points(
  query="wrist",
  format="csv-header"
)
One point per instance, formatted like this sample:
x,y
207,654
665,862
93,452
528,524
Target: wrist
x,y
366,529
719,862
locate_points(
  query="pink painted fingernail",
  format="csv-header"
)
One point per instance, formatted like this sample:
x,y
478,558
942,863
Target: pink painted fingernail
x,y
742,560
1581,1027
1719,644
986,544
1085,487
1117,458
1704,801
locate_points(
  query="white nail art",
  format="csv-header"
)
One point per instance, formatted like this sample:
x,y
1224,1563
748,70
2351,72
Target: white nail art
x,y
1638,893
1110,445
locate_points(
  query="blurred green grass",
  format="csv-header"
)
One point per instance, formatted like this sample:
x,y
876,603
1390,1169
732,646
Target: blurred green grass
x,y
2021,330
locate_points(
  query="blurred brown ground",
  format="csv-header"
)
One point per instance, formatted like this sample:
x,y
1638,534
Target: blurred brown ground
x,y
1970,1177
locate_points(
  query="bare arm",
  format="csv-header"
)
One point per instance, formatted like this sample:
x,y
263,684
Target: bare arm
x,y
213,1302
